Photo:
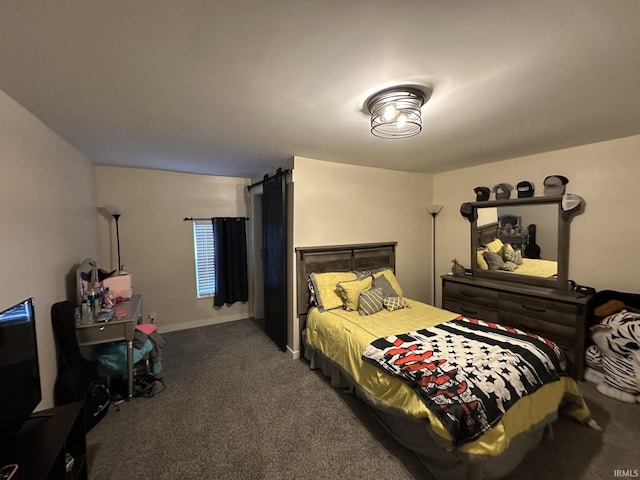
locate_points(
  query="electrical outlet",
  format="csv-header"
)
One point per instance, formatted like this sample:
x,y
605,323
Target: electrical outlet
x,y
152,317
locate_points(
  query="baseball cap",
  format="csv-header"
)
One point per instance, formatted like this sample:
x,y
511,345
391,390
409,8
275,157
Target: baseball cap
x,y
525,189
482,193
503,191
467,211
571,202
555,185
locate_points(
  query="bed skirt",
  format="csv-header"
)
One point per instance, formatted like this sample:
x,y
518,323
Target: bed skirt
x,y
441,459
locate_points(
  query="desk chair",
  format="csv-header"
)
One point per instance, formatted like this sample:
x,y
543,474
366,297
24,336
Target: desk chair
x,y
76,374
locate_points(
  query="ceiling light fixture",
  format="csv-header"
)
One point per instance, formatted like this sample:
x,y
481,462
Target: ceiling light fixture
x,y
395,112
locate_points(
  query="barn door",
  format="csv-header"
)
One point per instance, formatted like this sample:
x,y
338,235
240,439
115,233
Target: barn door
x,y
274,254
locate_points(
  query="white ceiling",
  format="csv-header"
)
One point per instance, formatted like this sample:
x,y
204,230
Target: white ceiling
x,y
237,87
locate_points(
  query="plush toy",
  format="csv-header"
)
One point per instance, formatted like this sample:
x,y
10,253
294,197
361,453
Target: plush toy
x,y
611,307
614,361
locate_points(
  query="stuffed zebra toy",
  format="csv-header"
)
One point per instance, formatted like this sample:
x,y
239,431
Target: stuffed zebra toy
x,y
614,361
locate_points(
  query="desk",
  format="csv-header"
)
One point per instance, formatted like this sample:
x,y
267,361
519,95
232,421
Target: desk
x,y
114,330
517,240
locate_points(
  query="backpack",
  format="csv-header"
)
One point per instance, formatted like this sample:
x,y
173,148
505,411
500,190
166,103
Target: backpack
x,y
97,399
147,385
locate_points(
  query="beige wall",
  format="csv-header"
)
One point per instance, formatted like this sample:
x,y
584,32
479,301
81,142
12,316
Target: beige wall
x,y
48,220
338,204
157,245
604,239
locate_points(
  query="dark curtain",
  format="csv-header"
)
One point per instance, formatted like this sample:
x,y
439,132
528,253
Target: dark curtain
x,y
230,237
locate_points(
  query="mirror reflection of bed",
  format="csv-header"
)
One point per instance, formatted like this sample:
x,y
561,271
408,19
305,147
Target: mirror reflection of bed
x,y
530,230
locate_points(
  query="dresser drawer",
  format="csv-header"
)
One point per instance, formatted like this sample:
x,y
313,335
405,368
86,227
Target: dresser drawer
x,y
548,310
561,334
470,310
471,294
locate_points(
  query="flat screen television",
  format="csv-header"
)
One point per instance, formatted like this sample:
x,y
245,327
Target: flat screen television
x,y
20,390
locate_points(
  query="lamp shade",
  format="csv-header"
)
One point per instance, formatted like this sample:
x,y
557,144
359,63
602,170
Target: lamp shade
x,y
395,112
434,209
115,209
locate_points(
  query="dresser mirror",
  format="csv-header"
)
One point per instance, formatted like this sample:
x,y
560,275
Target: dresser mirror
x,y
535,229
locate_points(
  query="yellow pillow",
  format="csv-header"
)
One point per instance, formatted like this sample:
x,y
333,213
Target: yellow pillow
x,y
327,293
495,246
352,289
388,274
482,263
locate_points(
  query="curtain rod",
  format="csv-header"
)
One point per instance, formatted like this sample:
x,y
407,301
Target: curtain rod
x,y
279,173
202,219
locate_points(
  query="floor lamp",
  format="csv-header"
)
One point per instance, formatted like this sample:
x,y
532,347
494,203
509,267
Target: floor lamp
x,y
116,211
434,210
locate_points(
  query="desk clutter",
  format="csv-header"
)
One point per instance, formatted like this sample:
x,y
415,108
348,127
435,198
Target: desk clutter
x,y
99,291
105,353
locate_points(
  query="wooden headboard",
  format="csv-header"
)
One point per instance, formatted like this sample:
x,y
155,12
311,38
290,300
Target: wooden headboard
x,y
486,233
339,258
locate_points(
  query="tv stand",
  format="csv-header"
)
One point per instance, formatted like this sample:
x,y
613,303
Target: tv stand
x,y
45,439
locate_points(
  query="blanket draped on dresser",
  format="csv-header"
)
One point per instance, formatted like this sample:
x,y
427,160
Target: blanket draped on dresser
x,y
469,372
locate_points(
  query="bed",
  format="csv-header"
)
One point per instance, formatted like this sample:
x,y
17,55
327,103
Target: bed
x,y
494,254
334,340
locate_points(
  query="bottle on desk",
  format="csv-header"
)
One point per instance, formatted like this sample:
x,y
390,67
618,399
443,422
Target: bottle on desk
x,y
87,314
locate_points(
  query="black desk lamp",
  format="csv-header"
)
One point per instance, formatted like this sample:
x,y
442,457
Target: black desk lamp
x,y
116,211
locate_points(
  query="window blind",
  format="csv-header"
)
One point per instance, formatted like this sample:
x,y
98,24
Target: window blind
x,y
204,248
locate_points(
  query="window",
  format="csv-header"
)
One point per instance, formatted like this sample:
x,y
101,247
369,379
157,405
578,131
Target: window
x,y
204,248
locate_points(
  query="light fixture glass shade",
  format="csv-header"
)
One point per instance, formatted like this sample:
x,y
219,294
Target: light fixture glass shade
x,y
395,112
115,209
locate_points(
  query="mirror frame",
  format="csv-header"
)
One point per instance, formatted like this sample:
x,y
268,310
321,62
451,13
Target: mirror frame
x,y
564,222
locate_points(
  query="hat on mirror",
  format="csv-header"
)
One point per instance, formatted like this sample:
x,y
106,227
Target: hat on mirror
x,y
525,189
571,202
467,211
482,193
502,191
555,185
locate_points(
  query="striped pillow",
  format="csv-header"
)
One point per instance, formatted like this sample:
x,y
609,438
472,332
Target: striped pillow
x,y
370,302
394,303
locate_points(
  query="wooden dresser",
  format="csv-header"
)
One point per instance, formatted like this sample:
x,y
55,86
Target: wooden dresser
x,y
556,315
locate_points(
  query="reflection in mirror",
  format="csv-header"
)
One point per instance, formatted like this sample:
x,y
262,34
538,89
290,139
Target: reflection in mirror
x,y
521,240
530,230
527,239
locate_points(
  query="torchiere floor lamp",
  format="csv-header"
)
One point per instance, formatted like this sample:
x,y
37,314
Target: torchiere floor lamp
x,y
434,210
116,211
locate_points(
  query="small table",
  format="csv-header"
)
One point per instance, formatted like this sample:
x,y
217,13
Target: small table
x,y
114,330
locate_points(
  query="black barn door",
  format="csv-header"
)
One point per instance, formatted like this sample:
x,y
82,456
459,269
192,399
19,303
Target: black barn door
x,y
274,254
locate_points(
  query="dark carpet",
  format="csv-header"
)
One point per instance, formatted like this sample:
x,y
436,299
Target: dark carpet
x,y
236,407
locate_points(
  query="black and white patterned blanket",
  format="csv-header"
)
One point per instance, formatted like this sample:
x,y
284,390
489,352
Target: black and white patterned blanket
x,y
469,372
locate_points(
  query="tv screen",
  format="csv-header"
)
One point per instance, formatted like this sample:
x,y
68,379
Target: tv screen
x,y
19,373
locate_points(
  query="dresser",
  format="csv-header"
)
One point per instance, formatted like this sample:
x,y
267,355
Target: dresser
x,y
553,314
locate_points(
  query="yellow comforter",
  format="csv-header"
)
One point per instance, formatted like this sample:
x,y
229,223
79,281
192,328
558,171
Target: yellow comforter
x,y
537,267
343,335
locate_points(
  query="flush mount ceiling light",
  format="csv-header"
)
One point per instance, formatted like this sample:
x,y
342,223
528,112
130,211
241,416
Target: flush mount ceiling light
x,y
395,112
